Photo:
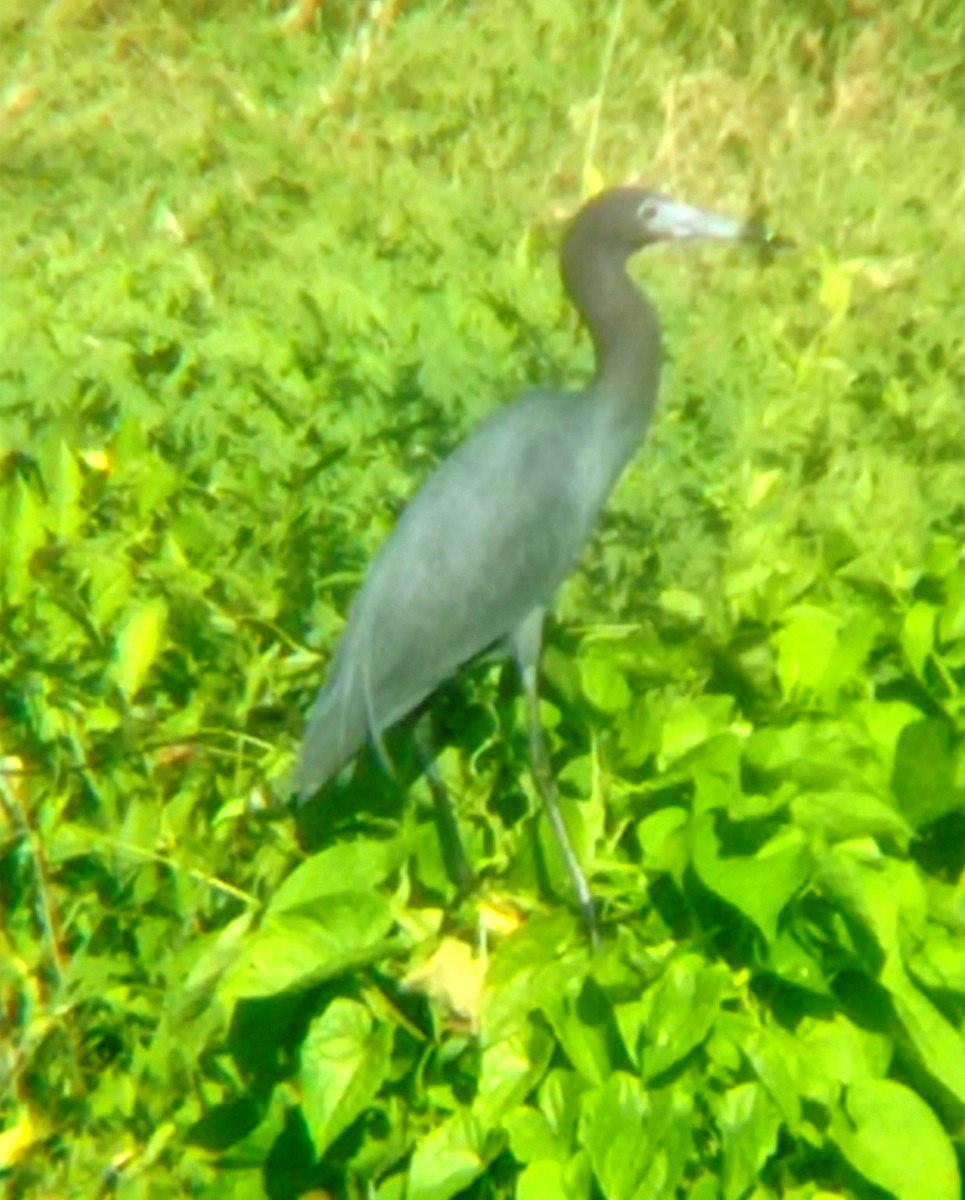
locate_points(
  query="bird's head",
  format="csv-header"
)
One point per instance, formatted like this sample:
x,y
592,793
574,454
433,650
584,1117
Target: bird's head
x,y
629,218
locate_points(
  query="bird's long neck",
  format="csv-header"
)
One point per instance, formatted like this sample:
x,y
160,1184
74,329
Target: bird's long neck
x,y
624,327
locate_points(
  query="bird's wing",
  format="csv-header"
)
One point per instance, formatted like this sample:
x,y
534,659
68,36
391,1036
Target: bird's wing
x,y
489,537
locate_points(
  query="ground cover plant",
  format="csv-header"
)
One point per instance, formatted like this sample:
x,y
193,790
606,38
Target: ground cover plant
x,y
261,268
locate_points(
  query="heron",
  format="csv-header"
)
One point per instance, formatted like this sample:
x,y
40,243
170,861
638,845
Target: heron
x,y
478,554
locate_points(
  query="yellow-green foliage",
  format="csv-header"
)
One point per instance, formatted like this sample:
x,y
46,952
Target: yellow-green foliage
x,y
261,267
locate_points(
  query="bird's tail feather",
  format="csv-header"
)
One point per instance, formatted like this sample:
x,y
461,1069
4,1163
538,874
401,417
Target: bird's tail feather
x,y
334,733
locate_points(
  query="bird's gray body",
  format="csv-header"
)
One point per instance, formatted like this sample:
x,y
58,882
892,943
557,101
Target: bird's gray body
x,y
479,554
488,539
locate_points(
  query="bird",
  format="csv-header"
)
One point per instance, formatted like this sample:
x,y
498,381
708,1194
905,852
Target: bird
x,y
478,555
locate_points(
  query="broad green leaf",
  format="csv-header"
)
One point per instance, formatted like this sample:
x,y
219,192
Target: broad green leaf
x,y
638,1142
924,773
574,1178
749,1121
447,1160
834,1052
110,584
348,867
604,683
583,1022
951,622
138,644
918,635
295,950
511,1068
796,964
63,480
806,645
542,966
679,1012
777,1065
253,1147
840,815
692,724
884,721
759,885
618,1134
212,954
938,960
543,1180
24,532
939,1045
560,1099
852,874
343,1060
663,839
531,1138
896,1142
687,606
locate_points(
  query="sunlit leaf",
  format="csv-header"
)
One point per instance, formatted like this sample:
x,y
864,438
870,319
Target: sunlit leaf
x,y
749,1122
447,1160
342,1063
679,1011
896,1141
138,644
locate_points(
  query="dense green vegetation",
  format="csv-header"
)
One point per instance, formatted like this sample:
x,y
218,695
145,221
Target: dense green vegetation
x,y
260,270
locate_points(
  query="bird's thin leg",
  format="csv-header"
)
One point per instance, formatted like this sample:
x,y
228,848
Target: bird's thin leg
x,y
453,853
527,641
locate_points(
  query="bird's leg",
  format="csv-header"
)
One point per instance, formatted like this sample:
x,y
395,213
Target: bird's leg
x,y
453,853
527,642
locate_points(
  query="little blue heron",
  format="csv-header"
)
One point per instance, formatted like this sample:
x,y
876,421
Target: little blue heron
x,y
479,553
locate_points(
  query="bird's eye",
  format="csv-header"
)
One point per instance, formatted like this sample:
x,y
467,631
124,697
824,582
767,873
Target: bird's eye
x,y
648,210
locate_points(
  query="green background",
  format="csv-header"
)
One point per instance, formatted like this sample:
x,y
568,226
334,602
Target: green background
x,y
261,268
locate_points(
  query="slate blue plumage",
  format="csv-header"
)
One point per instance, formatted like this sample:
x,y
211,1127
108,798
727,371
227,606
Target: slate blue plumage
x,y
479,553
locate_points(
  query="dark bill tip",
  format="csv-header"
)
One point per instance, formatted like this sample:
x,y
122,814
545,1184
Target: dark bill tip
x,y
756,231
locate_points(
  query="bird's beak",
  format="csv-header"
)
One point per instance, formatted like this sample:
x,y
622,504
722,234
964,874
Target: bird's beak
x,y
683,222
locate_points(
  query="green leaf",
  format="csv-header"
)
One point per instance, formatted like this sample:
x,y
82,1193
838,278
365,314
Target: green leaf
x,y
882,894
447,1160
560,1100
806,647
924,773
543,1180
918,635
938,960
664,840
618,1135
834,1052
531,1138
584,1024
137,645
343,1060
679,1011
604,683
511,1068
759,885
896,1142
777,1066
63,480
350,867
638,1141
938,1044
787,958
749,1122
24,532
840,815
293,951
692,725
